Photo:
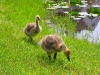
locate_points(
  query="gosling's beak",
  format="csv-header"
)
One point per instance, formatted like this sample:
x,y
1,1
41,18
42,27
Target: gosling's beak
x,y
68,58
40,19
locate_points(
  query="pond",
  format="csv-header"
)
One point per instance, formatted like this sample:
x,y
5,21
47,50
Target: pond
x,y
93,24
92,36
87,26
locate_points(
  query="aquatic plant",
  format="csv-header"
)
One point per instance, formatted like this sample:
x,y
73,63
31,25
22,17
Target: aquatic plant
x,y
74,2
94,10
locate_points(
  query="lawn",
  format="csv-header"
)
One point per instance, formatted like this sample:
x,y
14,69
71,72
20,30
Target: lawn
x,y
19,56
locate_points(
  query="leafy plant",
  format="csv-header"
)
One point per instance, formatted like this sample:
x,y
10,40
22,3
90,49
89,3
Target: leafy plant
x,y
74,2
73,13
94,10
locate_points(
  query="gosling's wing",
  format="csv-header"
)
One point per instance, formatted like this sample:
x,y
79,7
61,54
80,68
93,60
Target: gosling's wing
x,y
50,43
57,38
31,27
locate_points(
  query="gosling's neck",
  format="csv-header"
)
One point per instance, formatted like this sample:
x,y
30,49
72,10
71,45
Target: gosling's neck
x,y
65,49
37,24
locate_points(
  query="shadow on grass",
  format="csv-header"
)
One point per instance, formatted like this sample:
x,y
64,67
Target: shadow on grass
x,y
30,41
59,64
56,63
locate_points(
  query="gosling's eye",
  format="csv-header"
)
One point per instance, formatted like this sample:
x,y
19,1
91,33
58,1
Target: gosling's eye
x,y
38,17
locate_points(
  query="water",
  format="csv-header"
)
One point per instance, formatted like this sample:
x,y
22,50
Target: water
x,y
93,24
87,28
92,36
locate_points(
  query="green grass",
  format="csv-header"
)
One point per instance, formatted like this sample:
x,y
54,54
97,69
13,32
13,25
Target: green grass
x,y
18,56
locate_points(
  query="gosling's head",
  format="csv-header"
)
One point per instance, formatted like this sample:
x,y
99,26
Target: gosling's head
x,y
67,54
37,17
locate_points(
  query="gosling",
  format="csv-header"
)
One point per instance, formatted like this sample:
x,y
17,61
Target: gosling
x,y
32,29
52,44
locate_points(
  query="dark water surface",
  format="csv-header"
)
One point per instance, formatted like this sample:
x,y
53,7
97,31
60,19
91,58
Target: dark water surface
x,y
86,23
88,28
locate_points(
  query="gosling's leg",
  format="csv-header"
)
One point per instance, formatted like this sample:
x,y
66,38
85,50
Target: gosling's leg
x,y
55,55
49,56
30,39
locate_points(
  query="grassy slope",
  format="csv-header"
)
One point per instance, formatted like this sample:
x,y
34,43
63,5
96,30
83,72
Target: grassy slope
x,y
18,56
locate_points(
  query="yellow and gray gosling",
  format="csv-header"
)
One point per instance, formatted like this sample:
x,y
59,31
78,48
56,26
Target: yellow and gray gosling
x,y
32,29
52,44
